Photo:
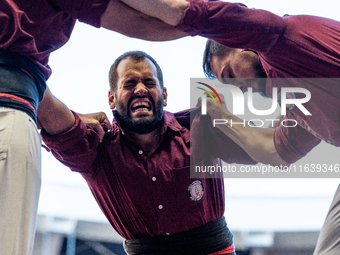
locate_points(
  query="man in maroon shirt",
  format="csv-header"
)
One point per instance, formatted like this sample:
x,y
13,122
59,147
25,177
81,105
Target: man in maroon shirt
x,y
260,44
29,32
140,173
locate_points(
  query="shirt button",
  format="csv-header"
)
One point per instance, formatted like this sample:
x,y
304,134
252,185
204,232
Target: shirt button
x,y
308,128
160,207
140,152
154,179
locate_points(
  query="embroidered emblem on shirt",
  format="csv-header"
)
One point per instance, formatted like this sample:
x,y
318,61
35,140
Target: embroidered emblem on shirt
x,y
289,95
196,190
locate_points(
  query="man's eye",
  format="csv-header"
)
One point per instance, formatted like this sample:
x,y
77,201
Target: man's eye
x,y
129,84
150,83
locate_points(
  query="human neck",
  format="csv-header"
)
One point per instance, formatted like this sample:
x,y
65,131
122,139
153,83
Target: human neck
x,y
147,141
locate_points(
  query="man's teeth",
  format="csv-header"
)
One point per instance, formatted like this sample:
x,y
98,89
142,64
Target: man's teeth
x,y
140,105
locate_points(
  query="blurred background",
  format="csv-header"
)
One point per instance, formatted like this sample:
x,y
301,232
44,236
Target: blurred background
x,y
267,216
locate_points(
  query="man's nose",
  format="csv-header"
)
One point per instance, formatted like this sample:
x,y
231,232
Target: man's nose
x,y
141,89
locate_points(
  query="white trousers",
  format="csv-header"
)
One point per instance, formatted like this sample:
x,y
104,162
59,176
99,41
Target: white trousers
x,y
329,238
20,181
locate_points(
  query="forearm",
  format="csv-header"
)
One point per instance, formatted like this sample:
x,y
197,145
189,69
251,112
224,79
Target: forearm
x,y
170,11
122,18
257,142
54,115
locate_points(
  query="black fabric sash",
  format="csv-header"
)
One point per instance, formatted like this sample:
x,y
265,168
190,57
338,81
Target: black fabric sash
x,y
14,81
209,238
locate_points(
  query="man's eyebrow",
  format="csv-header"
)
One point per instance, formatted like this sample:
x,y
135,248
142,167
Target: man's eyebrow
x,y
150,79
129,80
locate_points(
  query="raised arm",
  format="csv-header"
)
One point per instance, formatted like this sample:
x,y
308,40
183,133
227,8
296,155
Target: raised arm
x,y
122,18
170,11
53,115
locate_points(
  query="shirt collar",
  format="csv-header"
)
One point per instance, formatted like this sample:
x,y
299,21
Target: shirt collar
x,y
169,121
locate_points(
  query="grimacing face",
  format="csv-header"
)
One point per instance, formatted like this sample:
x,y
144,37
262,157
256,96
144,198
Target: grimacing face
x,y
139,99
239,64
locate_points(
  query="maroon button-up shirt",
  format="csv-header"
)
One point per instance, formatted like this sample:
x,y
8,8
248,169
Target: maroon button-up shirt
x,y
298,46
36,28
150,195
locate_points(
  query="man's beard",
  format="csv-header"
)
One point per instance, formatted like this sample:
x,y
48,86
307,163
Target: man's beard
x,y
142,125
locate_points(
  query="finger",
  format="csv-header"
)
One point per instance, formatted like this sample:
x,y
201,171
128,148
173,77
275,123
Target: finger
x,y
223,100
104,120
99,129
208,100
199,102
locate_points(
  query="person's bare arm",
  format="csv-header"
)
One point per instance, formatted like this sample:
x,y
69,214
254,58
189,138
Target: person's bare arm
x,y
170,11
257,142
123,19
53,115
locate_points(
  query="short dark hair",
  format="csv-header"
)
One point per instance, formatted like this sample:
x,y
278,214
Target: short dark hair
x,y
213,48
137,56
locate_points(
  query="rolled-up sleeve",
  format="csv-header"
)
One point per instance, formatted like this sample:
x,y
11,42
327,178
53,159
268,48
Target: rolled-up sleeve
x,y
76,147
87,11
293,143
232,24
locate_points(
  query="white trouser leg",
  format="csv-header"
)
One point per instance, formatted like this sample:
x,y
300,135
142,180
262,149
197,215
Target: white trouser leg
x,y
20,181
329,238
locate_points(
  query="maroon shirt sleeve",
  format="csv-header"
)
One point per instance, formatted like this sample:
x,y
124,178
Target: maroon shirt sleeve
x,y
232,24
293,143
87,11
76,147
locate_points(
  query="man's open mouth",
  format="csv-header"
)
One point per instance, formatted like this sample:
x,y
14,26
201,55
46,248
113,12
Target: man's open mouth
x,y
141,106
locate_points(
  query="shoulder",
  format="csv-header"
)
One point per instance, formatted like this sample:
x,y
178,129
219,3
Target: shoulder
x,y
185,117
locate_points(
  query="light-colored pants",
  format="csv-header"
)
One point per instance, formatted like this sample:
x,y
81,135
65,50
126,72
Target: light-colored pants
x,y
329,238
20,181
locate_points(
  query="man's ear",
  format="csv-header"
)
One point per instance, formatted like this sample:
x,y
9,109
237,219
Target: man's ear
x,y
112,103
165,97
